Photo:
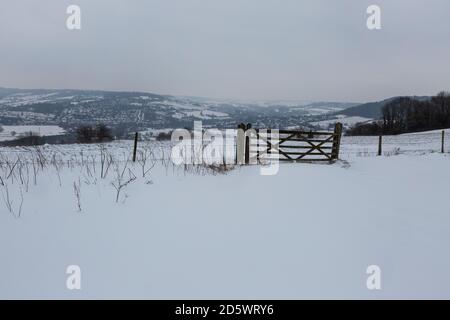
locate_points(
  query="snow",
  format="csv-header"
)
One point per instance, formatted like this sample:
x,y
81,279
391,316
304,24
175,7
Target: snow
x,y
320,110
214,113
178,115
152,133
346,121
308,232
411,143
204,114
155,132
21,99
8,131
26,98
433,132
185,105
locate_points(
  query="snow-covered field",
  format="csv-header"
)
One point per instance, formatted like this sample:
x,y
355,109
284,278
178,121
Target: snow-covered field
x,y
310,231
14,132
347,121
412,143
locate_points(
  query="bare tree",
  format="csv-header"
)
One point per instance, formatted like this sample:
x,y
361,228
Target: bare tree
x,y
105,161
146,159
9,202
103,133
121,180
77,192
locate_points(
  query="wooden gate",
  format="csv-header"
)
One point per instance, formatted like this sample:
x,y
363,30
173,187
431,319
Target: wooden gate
x,y
292,145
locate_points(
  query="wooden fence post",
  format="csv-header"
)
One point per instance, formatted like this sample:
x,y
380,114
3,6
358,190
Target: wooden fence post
x,y
336,141
247,149
247,143
135,146
380,145
257,146
443,141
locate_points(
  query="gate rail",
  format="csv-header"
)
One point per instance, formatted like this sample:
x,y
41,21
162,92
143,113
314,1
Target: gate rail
x,y
260,145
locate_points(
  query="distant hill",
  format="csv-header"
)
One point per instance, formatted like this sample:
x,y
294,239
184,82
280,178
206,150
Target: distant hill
x,y
372,109
139,111
409,114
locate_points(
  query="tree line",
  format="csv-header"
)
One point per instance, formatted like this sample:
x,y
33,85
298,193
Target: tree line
x,y
405,114
90,134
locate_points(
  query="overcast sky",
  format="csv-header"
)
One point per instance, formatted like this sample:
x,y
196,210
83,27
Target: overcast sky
x,y
242,49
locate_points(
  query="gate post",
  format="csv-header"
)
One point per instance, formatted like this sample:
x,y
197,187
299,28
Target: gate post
x,y
247,149
247,143
240,144
336,141
135,146
380,145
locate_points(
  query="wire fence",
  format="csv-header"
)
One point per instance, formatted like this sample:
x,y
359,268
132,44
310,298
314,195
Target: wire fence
x,y
351,146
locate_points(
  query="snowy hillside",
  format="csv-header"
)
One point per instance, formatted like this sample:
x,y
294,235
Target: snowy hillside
x,y
14,132
347,122
193,232
140,111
